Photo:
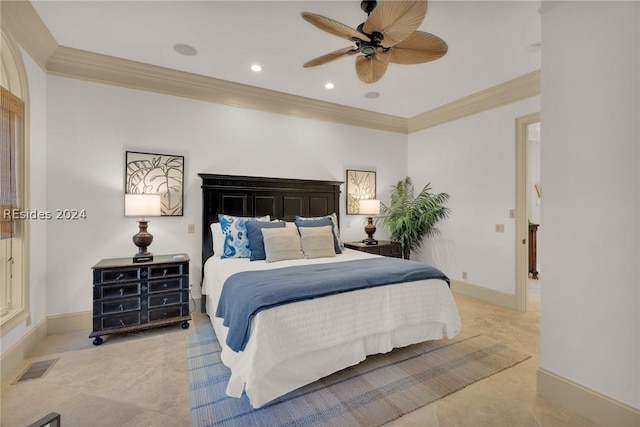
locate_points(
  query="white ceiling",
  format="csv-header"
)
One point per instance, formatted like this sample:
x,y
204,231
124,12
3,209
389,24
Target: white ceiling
x,y
489,43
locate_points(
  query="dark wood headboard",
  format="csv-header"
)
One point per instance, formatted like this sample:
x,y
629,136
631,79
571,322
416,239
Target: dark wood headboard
x,y
280,198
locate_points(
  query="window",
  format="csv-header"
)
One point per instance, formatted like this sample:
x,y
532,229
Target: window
x,y
14,283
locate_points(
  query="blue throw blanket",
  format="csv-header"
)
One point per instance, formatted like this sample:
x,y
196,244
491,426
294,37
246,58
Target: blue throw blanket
x,y
245,294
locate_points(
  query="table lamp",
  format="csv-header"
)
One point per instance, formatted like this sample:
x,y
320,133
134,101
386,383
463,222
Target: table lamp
x,y
142,205
369,207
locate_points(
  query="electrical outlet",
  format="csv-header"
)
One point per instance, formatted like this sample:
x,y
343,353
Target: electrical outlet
x,y
512,213
464,275
191,228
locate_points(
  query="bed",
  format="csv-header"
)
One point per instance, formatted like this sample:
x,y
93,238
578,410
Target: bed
x,y
294,344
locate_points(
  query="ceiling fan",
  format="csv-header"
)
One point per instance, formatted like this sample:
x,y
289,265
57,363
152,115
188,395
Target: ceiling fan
x,y
389,35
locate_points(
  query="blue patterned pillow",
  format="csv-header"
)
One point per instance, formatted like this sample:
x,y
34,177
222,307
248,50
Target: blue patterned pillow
x,y
234,230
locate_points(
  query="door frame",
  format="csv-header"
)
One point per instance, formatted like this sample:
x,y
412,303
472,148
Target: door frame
x,y
522,220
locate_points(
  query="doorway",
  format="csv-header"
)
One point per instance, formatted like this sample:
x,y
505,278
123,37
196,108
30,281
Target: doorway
x,y
527,199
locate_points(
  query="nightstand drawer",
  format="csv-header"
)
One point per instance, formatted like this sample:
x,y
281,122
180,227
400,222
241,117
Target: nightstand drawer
x,y
391,251
118,291
120,306
384,248
167,299
165,285
121,321
165,271
119,275
168,313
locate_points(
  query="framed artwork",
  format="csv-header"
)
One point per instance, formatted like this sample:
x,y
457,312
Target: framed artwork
x,y
360,185
147,173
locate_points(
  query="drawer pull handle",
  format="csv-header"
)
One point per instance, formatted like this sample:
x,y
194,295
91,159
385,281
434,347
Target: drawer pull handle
x,y
121,291
122,322
164,272
144,288
144,273
121,307
120,276
164,301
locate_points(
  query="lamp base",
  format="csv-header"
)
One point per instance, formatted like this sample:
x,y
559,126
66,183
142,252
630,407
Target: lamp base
x,y
142,240
370,229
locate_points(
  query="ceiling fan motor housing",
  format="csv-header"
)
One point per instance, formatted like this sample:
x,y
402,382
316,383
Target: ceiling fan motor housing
x,y
369,48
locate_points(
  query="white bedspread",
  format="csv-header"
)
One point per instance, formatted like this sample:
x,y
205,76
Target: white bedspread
x,y
295,344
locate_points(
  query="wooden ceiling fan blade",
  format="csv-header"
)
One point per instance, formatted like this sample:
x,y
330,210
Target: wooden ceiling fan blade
x,y
370,70
334,27
396,20
332,56
417,48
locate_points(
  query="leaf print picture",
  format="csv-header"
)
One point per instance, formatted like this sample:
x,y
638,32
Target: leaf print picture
x,y
163,174
360,185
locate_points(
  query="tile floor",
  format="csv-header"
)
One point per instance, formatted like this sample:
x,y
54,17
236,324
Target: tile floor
x,y
140,379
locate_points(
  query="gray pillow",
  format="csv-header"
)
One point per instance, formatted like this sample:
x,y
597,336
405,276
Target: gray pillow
x,y
317,242
281,244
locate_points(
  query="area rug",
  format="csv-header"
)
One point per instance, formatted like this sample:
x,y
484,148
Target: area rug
x,y
372,393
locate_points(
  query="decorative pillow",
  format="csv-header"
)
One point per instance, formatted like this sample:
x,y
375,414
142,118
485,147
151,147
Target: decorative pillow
x,y
256,240
321,222
317,242
281,244
234,229
336,230
217,239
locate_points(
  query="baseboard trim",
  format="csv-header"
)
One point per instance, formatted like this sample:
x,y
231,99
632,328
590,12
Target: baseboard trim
x,y
484,294
585,402
13,358
64,323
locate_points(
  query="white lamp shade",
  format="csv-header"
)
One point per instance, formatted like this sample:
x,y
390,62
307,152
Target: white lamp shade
x,y
142,205
369,207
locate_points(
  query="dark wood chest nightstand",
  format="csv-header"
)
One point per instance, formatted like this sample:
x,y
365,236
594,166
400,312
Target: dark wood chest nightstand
x,y
384,248
129,296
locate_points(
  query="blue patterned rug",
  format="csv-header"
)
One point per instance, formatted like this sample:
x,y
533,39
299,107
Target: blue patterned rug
x,y
372,393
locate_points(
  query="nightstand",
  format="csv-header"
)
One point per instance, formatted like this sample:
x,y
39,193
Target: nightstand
x,y
130,296
384,248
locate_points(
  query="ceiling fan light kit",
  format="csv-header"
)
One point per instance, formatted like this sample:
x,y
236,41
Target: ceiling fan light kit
x,y
389,35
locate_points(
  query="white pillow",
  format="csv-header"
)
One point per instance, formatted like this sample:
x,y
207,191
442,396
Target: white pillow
x,y
281,244
218,239
317,242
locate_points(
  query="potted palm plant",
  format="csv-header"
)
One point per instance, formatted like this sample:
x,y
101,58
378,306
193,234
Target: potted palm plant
x,y
410,218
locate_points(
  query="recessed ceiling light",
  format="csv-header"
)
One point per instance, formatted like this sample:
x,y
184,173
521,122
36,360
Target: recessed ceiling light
x,y
185,49
329,85
257,68
371,95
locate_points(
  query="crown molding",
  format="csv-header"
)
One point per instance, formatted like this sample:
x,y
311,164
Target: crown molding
x,y
514,90
79,64
21,20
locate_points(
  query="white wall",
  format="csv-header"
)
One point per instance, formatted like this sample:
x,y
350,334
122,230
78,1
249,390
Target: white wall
x,y
90,126
473,160
590,160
